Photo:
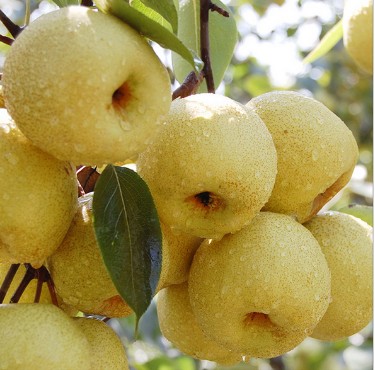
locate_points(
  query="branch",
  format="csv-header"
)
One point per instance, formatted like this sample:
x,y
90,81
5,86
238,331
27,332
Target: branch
x,y
6,40
10,26
205,44
30,274
189,86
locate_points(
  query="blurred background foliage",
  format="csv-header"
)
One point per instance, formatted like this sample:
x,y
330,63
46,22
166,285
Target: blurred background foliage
x,y
273,38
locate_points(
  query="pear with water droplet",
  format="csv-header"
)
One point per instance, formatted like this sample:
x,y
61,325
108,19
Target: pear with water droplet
x,y
107,350
357,24
316,152
179,325
38,198
36,336
211,168
346,242
92,92
260,291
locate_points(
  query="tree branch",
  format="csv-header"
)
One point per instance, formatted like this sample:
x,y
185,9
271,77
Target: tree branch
x,y
8,281
10,26
189,86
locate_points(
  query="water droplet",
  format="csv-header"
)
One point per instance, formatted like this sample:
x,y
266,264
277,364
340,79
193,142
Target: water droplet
x,y
206,133
315,274
142,108
183,163
277,223
246,359
303,247
315,155
317,297
218,315
232,251
257,175
126,126
221,156
188,221
309,331
238,290
283,254
330,300
12,158
240,176
79,147
182,133
123,62
6,196
104,77
209,173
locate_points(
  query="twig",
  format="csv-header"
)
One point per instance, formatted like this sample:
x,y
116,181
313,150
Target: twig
x,y
8,281
215,8
205,44
10,26
87,3
51,288
189,86
41,274
6,40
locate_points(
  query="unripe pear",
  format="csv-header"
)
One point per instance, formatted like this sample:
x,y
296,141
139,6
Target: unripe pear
x,y
346,242
107,350
92,92
179,325
211,168
260,291
316,152
36,336
38,198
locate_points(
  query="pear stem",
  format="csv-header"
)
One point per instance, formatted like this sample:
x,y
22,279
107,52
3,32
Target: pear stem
x,y
277,363
41,274
8,281
30,274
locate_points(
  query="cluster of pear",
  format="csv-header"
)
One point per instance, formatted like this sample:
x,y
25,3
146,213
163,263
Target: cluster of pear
x,y
250,180
99,101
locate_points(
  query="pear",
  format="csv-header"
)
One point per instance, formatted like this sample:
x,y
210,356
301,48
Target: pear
x,y
107,350
36,336
38,198
92,92
211,168
346,242
179,325
78,271
357,24
316,152
178,249
260,291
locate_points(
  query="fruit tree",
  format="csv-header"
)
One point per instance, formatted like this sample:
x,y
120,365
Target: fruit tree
x,y
186,184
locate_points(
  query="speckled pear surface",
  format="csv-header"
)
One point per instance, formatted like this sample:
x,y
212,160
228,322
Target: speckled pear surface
x,y
78,271
261,291
37,336
38,198
316,152
107,350
357,23
211,168
179,325
346,242
94,86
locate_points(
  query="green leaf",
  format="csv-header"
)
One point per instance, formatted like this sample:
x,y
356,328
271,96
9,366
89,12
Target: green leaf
x,y
223,38
330,39
137,4
64,3
166,8
365,213
128,232
150,29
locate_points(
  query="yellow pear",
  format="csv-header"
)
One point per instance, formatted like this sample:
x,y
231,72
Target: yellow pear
x,y
260,291
211,168
38,197
36,336
179,325
316,152
107,350
346,242
357,23
78,271
178,249
92,92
